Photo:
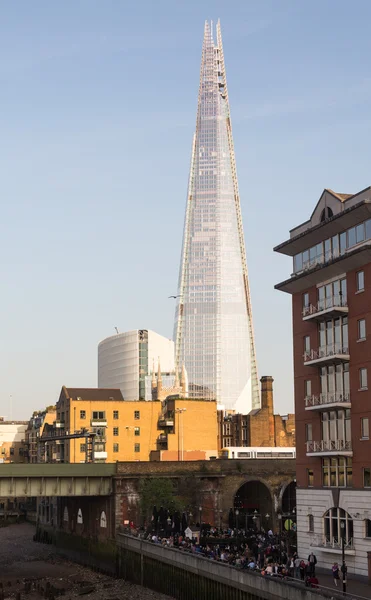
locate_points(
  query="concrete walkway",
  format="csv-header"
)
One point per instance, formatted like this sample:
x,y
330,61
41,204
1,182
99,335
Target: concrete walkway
x,y
354,586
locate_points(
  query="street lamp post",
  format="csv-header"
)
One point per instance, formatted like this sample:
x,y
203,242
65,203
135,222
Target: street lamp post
x,y
279,516
180,412
237,512
220,518
343,566
200,511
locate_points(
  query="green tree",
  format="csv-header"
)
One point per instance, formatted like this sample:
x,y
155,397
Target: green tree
x,y
158,492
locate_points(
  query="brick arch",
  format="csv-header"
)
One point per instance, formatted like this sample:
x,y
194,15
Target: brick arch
x,y
236,483
284,485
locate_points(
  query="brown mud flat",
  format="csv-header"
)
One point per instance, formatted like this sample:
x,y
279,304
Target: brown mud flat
x,y
35,571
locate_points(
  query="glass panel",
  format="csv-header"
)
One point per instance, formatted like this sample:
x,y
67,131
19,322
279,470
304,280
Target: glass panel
x,y
368,229
325,477
329,333
322,335
335,246
367,477
343,242
336,289
337,331
321,298
345,334
351,237
360,281
298,262
327,249
331,379
360,233
343,289
339,378
323,377
333,478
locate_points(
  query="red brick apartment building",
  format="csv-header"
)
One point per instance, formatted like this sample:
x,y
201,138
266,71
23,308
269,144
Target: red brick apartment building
x,y
331,307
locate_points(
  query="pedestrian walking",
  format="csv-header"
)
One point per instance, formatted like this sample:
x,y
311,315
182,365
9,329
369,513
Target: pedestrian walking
x,y
312,560
335,573
297,562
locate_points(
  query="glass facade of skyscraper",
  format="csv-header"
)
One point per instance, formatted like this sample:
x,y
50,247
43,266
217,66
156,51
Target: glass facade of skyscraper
x,y
213,326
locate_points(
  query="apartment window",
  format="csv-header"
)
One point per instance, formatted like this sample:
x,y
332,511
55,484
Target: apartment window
x,y
310,477
308,432
2,450
82,414
337,472
360,281
12,451
363,379
115,431
336,426
366,477
307,388
136,430
335,379
82,447
362,329
136,415
115,414
136,447
99,414
364,428
310,523
115,447
306,341
305,300
337,521
367,528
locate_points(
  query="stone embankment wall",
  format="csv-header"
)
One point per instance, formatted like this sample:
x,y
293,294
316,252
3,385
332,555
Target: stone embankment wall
x,y
186,577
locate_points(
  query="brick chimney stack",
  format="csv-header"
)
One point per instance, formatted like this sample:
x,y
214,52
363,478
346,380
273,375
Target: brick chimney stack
x,y
267,392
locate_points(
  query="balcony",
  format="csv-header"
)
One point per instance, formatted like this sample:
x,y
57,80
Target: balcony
x,y
333,545
329,448
326,355
326,267
328,307
163,422
99,422
326,401
162,442
100,455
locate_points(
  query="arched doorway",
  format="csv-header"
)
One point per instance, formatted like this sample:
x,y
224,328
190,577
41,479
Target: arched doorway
x,y
253,506
289,499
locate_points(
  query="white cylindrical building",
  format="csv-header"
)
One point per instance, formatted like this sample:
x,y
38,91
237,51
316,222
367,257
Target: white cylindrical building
x,y
126,359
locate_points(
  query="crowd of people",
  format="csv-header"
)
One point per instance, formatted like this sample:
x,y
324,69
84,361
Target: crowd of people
x,y
264,552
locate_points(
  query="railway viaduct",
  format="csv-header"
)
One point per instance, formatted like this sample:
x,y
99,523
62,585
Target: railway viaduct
x,y
85,492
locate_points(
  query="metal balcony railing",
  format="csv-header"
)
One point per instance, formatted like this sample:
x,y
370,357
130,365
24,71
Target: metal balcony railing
x,y
335,543
339,301
326,352
329,398
329,446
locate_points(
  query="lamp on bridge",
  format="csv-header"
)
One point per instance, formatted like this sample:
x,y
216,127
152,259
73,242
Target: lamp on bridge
x,y
200,511
237,512
220,518
343,566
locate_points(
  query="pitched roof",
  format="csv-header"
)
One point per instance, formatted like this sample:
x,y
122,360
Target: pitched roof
x,y
341,197
102,394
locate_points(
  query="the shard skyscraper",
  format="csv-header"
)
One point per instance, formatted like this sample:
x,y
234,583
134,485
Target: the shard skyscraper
x,y
213,332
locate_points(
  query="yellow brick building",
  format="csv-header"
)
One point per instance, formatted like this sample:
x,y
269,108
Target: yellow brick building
x,y
175,429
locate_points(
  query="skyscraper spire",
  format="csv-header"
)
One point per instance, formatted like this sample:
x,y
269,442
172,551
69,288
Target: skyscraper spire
x,y
213,326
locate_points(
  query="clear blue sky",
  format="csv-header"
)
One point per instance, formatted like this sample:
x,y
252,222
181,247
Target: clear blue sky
x,y
98,107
